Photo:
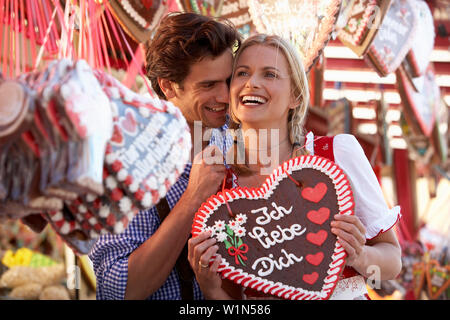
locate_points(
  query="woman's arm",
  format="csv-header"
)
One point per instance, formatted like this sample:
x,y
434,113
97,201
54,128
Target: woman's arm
x,y
383,251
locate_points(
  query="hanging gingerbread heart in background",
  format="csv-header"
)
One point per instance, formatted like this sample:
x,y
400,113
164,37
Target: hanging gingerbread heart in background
x,y
438,278
277,238
418,273
211,8
359,23
60,125
307,24
139,18
155,144
420,107
236,11
418,57
394,38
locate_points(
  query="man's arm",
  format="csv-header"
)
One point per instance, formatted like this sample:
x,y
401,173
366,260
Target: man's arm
x,y
151,263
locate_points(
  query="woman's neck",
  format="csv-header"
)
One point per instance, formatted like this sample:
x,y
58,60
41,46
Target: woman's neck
x,y
265,149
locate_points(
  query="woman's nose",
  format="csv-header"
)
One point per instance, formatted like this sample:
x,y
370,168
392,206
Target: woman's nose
x,y
252,82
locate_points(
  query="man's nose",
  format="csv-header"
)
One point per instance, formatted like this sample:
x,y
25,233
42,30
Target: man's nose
x,y
223,94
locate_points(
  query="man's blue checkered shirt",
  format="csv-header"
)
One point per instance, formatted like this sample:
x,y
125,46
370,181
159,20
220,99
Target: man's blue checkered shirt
x,y
110,253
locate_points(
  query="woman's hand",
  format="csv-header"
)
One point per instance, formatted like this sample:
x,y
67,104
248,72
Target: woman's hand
x,y
200,251
351,235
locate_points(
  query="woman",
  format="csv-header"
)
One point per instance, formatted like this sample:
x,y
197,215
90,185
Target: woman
x,y
269,94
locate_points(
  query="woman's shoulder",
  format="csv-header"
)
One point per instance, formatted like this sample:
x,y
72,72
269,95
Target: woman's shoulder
x,y
347,147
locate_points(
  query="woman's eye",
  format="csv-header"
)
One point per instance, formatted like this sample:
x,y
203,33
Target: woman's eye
x,y
270,75
241,73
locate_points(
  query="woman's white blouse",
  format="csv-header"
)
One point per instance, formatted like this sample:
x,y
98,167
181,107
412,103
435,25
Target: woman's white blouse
x,y
370,205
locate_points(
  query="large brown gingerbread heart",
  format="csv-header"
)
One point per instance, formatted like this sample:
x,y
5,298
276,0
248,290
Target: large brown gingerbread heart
x,y
278,240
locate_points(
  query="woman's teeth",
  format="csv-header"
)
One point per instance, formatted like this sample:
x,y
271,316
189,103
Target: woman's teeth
x,y
253,100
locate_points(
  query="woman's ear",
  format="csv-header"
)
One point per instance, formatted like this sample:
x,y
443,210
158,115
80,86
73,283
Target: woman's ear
x,y
167,87
295,102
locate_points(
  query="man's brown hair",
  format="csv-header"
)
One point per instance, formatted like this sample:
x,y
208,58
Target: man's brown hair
x,y
183,39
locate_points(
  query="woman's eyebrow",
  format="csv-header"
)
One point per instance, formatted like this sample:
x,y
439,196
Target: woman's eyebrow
x,y
265,68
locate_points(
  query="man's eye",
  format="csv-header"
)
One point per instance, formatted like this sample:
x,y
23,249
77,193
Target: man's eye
x,y
208,85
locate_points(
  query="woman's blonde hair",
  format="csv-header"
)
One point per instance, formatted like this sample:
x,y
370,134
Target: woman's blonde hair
x,y
299,84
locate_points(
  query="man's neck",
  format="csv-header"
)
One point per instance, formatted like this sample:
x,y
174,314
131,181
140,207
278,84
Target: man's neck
x,y
199,139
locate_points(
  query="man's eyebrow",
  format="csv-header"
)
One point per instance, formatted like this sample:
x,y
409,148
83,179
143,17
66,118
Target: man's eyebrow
x,y
205,82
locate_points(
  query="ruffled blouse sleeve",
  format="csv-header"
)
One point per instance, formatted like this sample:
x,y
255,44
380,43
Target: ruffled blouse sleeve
x,y
370,206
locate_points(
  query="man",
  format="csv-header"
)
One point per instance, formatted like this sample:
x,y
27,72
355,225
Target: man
x,y
189,63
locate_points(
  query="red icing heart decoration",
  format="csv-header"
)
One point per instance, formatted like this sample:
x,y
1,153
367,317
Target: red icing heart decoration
x,y
147,3
128,122
310,278
319,216
315,259
277,241
117,136
315,194
317,238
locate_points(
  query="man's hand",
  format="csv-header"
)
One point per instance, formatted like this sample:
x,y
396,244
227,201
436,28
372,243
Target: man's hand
x,y
207,174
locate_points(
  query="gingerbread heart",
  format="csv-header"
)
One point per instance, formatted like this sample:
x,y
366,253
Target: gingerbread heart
x,y
236,11
308,24
155,148
211,8
271,241
139,18
438,279
360,17
419,55
394,38
420,107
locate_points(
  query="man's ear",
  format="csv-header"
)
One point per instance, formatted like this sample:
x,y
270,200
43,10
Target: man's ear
x,y
167,88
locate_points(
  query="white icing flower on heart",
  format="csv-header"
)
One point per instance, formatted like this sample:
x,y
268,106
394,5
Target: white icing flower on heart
x,y
119,228
219,225
212,230
111,183
233,224
239,231
241,218
90,197
147,200
134,186
221,236
122,175
125,204
104,211
110,158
